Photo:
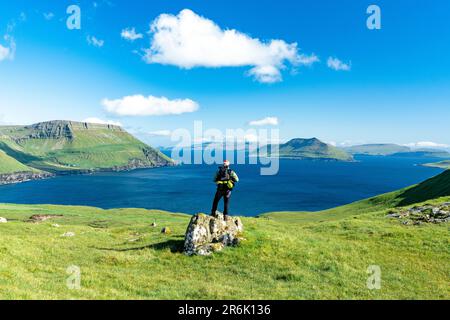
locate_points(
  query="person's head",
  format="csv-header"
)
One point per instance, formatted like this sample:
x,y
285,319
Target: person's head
x,y
226,163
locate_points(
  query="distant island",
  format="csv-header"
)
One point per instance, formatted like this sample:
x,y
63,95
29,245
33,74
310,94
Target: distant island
x,y
442,164
309,149
66,147
380,149
389,149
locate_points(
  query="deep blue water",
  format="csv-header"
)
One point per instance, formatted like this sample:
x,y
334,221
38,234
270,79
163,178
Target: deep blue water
x,y
299,185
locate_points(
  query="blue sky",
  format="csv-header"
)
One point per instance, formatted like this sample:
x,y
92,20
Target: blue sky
x,y
394,86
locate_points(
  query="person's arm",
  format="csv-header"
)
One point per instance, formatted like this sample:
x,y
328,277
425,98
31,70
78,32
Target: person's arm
x,y
216,177
234,176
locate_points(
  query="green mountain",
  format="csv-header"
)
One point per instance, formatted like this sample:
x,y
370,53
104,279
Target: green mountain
x,y
63,147
309,149
377,149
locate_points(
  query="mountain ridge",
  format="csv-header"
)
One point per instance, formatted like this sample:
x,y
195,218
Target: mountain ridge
x,y
377,149
391,149
71,147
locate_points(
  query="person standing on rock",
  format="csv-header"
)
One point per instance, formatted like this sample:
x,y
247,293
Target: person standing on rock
x,y
225,179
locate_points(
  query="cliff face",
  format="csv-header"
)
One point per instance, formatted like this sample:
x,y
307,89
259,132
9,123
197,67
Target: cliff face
x,y
51,130
68,147
64,129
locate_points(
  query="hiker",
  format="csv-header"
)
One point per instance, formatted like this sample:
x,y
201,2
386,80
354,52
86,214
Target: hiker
x,y
225,179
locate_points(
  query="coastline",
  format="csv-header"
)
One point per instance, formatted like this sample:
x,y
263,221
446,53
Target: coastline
x,y
21,177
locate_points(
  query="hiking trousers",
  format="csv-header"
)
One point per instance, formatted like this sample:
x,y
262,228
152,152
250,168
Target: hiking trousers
x,y
221,193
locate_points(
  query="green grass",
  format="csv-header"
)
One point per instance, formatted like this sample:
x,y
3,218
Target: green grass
x,y
11,165
286,255
435,187
122,257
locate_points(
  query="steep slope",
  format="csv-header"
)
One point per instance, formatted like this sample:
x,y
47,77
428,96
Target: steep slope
x,y
310,149
377,149
11,165
429,190
70,147
12,171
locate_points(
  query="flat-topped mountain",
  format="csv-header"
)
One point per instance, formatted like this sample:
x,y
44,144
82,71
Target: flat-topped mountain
x,y
64,147
379,149
310,149
390,149
424,153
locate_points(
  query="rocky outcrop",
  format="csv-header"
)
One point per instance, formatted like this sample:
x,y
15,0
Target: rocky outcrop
x,y
19,177
208,234
60,129
423,214
154,160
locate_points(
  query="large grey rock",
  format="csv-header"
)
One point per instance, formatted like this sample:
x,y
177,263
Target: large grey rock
x,y
208,234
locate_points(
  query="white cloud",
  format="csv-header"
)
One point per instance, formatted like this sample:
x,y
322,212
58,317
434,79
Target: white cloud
x,y
338,65
138,105
189,40
4,52
160,133
130,34
93,41
8,52
268,121
100,121
426,144
49,15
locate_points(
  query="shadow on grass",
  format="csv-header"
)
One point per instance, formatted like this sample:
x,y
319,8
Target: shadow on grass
x,y
438,186
175,246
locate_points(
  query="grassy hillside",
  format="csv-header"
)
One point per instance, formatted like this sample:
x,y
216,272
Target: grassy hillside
x,y
65,146
377,149
433,188
322,255
310,149
121,256
11,165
